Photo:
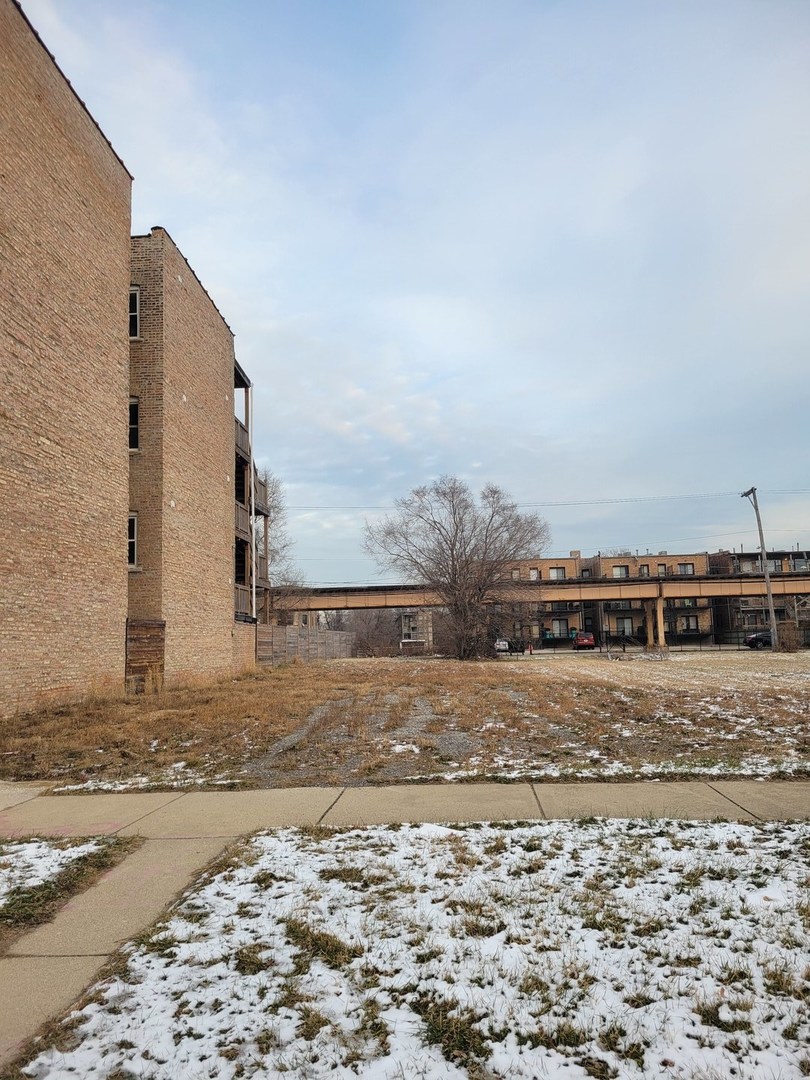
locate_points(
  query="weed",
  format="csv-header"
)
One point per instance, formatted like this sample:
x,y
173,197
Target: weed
x,y
452,1027
248,960
597,1068
709,1012
311,1023
319,944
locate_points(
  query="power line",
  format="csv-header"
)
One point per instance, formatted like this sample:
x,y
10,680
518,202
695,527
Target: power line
x,y
581,502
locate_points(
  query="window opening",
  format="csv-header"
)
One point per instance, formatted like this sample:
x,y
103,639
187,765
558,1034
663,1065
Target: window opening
x,y
133,424
132,540
134,312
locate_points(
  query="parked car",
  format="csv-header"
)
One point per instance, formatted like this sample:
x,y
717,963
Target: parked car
x,y
517,646
501,645
583,639
760,640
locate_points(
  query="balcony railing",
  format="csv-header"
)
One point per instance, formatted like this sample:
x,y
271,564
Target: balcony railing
x,y
261,571
242,519
261,506
242,438
241,599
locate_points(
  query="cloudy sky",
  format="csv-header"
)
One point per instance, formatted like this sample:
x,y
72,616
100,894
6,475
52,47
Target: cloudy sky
x,y
562,247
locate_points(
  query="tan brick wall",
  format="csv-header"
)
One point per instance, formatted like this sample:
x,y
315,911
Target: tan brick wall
x,y
244,646
64,275
183,476
146,463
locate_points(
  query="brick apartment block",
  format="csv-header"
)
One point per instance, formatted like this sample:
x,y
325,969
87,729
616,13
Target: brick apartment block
x,y
76,596
190,464
64,277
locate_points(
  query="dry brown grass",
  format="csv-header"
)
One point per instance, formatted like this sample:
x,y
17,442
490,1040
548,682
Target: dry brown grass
x,y
566,716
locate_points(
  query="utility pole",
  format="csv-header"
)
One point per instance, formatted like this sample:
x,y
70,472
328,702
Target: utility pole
x,y
751,495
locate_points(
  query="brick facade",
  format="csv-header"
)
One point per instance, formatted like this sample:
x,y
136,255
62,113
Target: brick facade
x,y
182,474
64,276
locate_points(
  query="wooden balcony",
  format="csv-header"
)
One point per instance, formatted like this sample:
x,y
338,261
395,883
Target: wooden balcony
x,y
260,491
242,438
261,572
241,600
242,521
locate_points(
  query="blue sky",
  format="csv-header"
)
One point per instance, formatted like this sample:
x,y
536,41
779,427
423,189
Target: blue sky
x,y
562,247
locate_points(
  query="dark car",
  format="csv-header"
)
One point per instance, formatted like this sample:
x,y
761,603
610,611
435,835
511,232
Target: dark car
x,y
760,640
583,639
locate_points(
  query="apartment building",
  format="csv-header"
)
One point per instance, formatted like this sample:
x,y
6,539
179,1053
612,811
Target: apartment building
x,y
735,616
128,492
64,470
193,489
555,620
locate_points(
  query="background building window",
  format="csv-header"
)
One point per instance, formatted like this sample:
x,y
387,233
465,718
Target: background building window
x,y
134,312
132,537
644,570
133,424
621,571
686,568
557,573
534,573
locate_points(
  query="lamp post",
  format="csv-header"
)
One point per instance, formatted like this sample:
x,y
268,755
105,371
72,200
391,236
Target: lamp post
x,y
751,495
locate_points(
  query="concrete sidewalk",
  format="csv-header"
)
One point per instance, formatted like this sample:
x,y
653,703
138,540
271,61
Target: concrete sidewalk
x,y
47,969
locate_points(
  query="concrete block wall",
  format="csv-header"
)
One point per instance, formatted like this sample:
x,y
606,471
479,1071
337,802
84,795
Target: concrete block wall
x,y
64,250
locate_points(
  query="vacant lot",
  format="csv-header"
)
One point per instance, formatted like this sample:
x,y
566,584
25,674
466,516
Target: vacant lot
x,y
383,720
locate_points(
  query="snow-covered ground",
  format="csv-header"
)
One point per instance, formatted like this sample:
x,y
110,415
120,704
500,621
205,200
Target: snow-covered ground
x,y
550,950
28,863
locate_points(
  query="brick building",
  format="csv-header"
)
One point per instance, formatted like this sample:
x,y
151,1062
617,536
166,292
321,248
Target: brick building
x,y
684,619
127,548
64,471
192,564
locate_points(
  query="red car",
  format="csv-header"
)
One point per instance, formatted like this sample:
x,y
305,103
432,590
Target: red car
x,y
583,639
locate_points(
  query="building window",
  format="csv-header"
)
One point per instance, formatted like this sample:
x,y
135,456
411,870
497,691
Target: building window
x,y
662,569
559,627
624,626
132,546
134,312
686,568
557,573
644,570
534,574
621,571
775,566
516,575
690,623
133,423
586,572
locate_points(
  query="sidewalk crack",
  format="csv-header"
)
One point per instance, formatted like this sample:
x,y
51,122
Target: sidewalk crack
x,y
543,814
733,802
332,805
136,821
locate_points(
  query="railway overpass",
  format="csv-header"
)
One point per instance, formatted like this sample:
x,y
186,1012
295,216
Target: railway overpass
x,y
653,592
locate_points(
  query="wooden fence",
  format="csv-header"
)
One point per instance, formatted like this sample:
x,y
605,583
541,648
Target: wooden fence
x,y
281,644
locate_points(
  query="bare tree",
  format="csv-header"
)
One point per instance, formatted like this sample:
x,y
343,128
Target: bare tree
x,y
335,619
376,631
444,538
286,580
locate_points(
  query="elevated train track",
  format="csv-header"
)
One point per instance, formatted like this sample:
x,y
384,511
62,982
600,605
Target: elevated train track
x,y
582,590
